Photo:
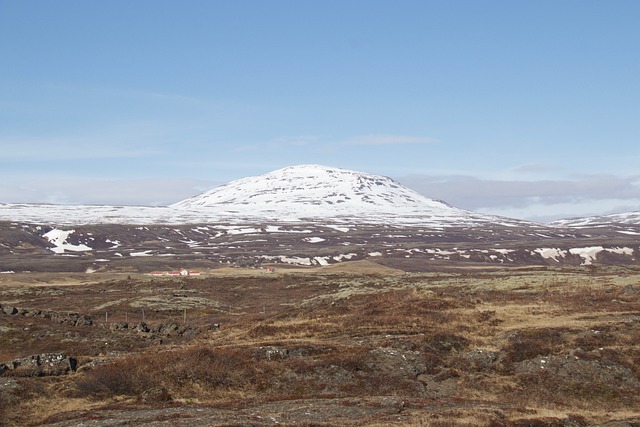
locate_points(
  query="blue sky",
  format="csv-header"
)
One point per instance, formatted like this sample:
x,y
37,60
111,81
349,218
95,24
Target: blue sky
x,y
528,109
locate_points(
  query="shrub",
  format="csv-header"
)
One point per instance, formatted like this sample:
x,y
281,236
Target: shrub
x,y
527,344
442,343
188,371
119,378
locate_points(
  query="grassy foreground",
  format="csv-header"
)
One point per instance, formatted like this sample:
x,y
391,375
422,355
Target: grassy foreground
x,y
509,347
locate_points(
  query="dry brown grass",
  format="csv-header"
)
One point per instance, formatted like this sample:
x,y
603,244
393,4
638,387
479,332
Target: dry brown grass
x,y
449,346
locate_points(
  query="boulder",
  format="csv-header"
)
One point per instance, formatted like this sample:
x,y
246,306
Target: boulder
x,y
142,327
10,310
45,364
84,320
116,326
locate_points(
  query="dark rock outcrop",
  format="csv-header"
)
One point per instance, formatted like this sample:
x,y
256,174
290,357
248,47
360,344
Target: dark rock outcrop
x,y
45,364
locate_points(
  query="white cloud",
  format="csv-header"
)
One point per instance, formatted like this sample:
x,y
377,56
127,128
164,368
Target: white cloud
x,y
542,200
534,168
541,212
535,200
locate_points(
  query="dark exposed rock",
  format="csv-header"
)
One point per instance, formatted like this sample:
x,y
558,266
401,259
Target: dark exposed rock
x,y
573,368
398,363
72,318
272,353
116,326
10,310
142,327
480,360
84,320
171,328
46,364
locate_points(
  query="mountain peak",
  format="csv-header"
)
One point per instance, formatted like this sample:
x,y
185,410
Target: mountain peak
x,y
312,191
315,190
291,194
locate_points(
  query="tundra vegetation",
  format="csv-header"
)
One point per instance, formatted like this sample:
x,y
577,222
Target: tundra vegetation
x,y
354,344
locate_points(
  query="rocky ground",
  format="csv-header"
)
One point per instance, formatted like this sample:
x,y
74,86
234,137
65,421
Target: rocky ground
x,y
135,248
351,344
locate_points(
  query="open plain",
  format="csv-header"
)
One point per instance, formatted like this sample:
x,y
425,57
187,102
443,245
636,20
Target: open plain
x,y
355,343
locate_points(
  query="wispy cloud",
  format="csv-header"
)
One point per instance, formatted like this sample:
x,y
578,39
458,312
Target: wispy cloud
x,y
151,192
296,141
117,92
534,168
279,143
389,140
52,149
129,140
529,199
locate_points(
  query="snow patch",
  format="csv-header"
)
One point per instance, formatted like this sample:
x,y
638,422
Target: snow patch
x,y
550,253
588,254
143,253
344,256
504,251
321,260
315,239
621,251
295,260
59,238
338,228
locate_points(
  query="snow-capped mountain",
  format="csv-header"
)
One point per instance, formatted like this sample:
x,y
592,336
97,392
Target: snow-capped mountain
x,y
627,218
314,191
319,190
301,215
292,194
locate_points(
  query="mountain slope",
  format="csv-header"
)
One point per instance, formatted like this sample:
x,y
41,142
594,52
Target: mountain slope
x,y
303,215
307,193
627,218
317,188
313,191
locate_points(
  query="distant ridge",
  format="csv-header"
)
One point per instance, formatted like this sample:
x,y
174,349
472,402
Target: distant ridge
x,y
318,190
293,194
307,215
626,218
315,191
